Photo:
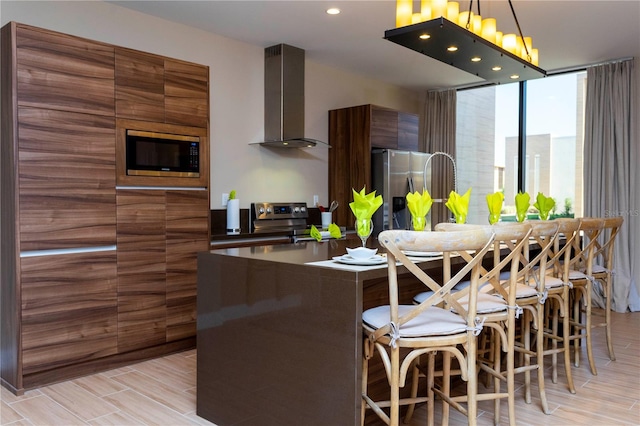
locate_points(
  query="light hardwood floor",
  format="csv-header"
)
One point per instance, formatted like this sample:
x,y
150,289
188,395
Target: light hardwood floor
x,y
162,392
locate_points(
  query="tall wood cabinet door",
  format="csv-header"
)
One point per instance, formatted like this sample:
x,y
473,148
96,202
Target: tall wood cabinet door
x,y
349,157
384,128
69,309
139,85
186,90
66,178
408,127
187,234
64,72
141,269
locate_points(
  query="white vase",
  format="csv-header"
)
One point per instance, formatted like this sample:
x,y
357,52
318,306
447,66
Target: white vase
x,y
233,217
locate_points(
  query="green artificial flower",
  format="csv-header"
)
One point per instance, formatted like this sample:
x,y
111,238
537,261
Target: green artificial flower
x,y
459,205
544,205
419,206
494,202
522,205
315,233
334,231
363,207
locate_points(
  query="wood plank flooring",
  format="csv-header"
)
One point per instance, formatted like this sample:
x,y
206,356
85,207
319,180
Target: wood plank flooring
x,y
162,392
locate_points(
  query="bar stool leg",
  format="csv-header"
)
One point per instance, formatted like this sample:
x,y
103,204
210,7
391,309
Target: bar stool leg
x,y
592,363
607,314
540,358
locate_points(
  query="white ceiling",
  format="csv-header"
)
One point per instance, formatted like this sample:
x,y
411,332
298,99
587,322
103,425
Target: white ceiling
x,y
568,33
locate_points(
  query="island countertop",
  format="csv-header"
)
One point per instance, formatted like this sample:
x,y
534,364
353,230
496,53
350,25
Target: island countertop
x,y
302,252
280,338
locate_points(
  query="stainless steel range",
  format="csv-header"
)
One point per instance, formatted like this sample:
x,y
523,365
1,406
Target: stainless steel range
x,y
278,217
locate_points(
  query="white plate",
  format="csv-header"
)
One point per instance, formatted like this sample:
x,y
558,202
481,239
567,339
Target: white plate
x,y
422,253
348,260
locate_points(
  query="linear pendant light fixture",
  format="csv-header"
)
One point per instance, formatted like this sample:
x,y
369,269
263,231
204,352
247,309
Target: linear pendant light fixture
x,y
466,41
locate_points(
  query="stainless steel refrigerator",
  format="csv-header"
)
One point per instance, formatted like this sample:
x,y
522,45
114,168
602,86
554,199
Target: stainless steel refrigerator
x,y
395,173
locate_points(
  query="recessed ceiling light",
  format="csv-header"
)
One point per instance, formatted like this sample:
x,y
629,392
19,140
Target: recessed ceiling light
x,y
476,59
424,36
452,48
496,68
333,11
514,76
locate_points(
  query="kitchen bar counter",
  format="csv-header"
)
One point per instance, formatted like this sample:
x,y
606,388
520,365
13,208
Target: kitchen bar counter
x,y
250,239
280,340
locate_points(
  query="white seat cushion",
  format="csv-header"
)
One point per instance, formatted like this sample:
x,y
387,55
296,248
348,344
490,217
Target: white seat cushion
x,y
486,287
505,275
576,275
461,286
525,291
598,269
432,322
421,297
487,303
552,282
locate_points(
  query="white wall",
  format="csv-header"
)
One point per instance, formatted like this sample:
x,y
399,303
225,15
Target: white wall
x,y
236,77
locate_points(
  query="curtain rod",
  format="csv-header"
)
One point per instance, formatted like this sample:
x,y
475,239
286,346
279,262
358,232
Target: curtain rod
x,y
584,67
551,73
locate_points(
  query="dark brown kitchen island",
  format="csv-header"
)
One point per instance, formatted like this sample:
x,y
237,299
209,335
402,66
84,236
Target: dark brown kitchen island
x,y
279,340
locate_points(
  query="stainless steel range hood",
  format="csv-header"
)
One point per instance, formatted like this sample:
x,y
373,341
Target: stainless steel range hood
x,y
284,98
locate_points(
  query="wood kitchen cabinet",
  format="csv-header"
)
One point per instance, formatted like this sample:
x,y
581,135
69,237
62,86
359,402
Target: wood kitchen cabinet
x,y
139,91
69,310
353,133
160,233
58,71
58,204
66,184
187,233
408,128
186,93
393,129
92,277
141,269
161,90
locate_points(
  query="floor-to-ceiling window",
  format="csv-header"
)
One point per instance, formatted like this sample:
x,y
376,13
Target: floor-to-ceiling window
x,y
488,144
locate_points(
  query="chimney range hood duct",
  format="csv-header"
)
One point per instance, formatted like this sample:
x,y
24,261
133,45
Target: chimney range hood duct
x,y
284,98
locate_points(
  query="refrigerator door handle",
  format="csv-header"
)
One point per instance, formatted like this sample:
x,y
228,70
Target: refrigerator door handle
x,y
410,181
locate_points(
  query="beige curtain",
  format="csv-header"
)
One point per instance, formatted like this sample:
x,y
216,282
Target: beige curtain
x,y
611,171
440,136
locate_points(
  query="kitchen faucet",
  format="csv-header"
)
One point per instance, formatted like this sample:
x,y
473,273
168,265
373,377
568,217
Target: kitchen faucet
x,y
453,162
455,175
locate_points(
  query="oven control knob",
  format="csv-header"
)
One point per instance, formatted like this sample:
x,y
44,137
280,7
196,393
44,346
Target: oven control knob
x,y
261,210
303,209
296,209
268,210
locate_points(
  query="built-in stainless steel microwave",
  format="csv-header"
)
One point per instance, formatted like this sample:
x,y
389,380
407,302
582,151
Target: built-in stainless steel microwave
x,y
162,154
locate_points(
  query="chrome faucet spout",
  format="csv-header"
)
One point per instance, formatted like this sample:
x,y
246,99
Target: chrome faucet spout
x,y
453,162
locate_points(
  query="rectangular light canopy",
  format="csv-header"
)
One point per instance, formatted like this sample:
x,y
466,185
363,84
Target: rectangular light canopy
x,y
473,54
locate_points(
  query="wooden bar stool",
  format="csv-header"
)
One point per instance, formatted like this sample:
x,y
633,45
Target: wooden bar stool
x,y
531,294
581,278
603,272
401,333
497,310
558,298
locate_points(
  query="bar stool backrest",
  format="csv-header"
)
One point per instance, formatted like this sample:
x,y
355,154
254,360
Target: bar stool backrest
x,y
582,259
605,246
